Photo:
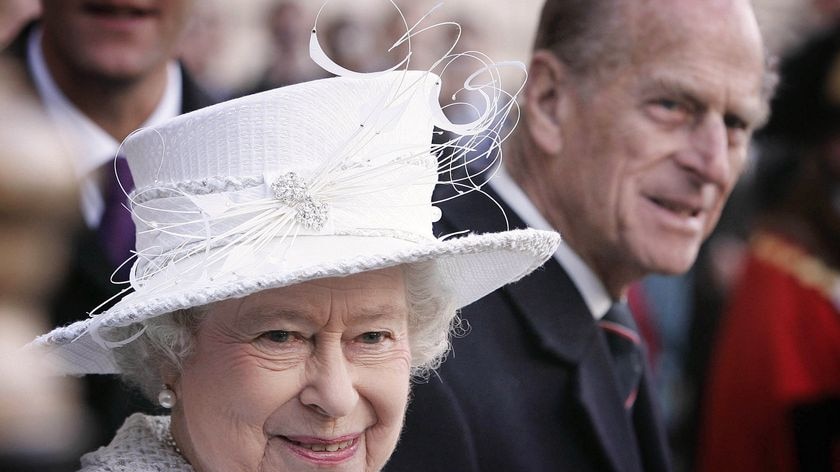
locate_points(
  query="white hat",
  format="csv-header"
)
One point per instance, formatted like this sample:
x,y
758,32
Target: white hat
x,y
321,179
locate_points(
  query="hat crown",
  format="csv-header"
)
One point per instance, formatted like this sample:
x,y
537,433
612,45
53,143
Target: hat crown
x,y
293,128
338,156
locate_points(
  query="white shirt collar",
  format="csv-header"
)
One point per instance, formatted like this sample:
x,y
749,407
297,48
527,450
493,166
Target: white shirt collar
x,y
590,287
92,146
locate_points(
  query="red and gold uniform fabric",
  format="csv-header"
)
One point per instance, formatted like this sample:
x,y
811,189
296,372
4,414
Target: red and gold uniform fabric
x,y
774,384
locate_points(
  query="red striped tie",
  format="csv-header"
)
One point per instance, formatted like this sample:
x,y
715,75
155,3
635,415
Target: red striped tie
x,y
625,346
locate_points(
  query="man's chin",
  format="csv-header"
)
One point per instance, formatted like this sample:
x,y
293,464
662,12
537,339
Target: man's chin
x,y
672,260
121,64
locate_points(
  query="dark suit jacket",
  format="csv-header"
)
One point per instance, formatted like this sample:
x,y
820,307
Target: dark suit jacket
x,y
531,387
86,283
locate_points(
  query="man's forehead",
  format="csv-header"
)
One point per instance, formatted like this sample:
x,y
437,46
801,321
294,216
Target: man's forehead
x,y
681,29
692,7
666,23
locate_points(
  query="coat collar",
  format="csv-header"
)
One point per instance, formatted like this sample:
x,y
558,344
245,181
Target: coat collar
x,y
557,316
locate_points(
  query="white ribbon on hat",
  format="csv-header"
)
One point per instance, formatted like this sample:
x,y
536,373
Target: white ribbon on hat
x,y
183,225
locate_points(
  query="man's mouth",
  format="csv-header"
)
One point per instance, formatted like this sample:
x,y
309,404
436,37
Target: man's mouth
x,y
680,208
118,11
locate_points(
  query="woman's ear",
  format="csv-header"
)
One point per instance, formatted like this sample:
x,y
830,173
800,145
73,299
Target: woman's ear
x,y
544,100
169,376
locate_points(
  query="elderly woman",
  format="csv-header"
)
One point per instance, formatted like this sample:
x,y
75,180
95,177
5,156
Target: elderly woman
x,y
287,284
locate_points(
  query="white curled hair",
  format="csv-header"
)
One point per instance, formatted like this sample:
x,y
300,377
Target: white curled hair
x,y
168,339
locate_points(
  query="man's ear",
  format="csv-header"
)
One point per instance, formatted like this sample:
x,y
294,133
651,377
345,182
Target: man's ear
x,y
544,101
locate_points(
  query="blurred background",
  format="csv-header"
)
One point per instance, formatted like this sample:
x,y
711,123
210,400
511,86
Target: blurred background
x,y
234,48
232,45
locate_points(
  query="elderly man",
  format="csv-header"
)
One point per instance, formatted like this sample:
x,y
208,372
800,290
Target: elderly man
x,y
101,70
637,116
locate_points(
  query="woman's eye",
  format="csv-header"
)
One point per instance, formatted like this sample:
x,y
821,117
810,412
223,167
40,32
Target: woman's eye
x,y
282,344
373,337
277,336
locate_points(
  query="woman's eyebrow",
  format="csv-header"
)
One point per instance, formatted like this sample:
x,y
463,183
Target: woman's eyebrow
x,y
265,316
386,312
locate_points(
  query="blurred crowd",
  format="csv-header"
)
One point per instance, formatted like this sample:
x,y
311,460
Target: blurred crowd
x,y
747,335
41,414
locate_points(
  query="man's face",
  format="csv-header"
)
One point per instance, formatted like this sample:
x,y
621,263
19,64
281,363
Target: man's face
x,y
113,39
652,148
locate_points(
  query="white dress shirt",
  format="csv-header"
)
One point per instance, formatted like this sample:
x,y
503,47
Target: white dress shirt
x,y
590,287
91,145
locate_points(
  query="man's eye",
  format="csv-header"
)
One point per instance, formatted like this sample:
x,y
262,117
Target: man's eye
x,y
733,122
669,111
669,104
373,337
673,106
278,336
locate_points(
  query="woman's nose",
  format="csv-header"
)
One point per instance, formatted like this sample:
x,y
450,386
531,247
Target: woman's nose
x,y
330,388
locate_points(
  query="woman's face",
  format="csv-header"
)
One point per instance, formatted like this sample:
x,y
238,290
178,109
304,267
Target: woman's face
x,y
314,376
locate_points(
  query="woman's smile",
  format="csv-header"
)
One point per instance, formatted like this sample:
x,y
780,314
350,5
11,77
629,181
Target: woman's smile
x,y
321,450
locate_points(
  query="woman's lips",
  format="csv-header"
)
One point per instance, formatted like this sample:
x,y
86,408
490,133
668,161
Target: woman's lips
x,y
322,450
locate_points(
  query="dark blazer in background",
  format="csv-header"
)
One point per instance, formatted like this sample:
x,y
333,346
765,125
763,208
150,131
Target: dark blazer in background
x,y
86,281
531,387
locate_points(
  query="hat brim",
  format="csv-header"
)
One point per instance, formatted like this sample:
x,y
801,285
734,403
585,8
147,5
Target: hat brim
x,y
472,266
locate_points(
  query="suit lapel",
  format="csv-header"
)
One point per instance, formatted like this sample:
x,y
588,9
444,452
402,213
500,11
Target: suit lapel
x,y
193,96
546,299
599,399
649,430
564,325
554,311
560,319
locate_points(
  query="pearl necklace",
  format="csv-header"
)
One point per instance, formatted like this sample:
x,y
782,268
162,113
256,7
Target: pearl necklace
x,y
170,441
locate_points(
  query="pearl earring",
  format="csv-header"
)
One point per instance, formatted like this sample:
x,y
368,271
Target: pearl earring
x,y
166,397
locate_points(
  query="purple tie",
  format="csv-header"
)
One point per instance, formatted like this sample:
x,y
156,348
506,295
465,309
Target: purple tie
x,y
116,230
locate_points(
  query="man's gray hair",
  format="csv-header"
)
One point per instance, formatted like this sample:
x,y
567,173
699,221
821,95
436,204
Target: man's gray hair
x,y
589,36
168,339
583,34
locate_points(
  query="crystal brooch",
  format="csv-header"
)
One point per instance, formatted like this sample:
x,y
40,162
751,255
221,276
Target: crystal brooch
x,y
291,190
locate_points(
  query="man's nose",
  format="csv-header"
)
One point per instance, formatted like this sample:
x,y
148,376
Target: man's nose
x,y
709,155
329,387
